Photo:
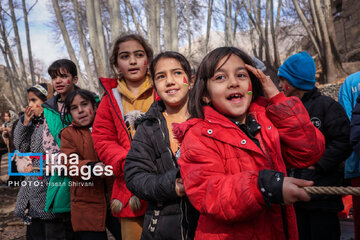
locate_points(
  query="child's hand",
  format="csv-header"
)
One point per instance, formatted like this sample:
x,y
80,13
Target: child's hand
x,y
269,87
292,191
179,187
28,115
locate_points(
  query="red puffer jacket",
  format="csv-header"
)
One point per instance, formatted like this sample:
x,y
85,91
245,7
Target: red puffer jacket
x,y
220,172
112,143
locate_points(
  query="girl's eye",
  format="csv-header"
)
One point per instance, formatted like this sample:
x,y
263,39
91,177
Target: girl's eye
x,y
139,55
219,77
241,75
178,73
124,56
159,77
73,108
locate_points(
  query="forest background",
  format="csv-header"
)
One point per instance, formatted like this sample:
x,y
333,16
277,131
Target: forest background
x,y
270,30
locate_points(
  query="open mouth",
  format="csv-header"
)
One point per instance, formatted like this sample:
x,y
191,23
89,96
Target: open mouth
x,y
172,91
134,70
235,97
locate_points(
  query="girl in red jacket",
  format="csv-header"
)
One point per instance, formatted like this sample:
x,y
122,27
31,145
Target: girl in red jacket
x,y
236,148
125,97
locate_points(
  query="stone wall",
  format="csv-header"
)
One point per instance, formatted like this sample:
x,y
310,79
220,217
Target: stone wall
x,y
331,90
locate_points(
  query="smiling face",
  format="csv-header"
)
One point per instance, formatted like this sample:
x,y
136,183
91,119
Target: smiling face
x,y
132,61
171,82
228,89
64,83
35,103
82,111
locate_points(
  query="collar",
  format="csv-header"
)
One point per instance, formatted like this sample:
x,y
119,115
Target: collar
x,y
124,91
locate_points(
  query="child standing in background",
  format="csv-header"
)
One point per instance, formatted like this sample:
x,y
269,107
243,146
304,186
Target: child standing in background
x,y
234,174
113,131
89,204
28,135
63,75
151,169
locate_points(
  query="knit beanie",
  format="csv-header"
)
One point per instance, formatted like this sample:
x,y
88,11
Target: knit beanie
x,y
299,70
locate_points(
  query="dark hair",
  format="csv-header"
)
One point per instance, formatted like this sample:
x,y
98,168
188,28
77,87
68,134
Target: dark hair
x,y
37,92
175,55
85,94
125,38
56,67
8,113
207,70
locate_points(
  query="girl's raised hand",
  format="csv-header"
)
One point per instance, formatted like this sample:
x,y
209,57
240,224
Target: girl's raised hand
x,y
269,87
292,191
28,115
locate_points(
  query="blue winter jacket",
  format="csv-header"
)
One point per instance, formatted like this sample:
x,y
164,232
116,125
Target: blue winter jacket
x,y
348,94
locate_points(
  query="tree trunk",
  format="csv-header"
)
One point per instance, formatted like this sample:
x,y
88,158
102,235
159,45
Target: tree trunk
x,y
318,35
28,42
208,24
84,54
15,91
170,26
251,27
188,27
152,10
332,34
137,25
267,48
101,37
235,22
330,67
18,45
8,51
67,41
307,27
116,23
275,31
94,41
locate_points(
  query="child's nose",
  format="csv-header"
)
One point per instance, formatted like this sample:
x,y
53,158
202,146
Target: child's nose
x,y
132,59
233,82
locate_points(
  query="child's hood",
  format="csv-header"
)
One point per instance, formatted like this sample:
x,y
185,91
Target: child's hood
x,y
180,129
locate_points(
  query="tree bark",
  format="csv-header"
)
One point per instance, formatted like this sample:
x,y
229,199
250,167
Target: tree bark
x,y
101,37
137,25
28,42
275,31
170,26
15,91
152,10
307,27
208,24
330,66
116,23
67,41
18,45
94,41
188,27
84,54
235,22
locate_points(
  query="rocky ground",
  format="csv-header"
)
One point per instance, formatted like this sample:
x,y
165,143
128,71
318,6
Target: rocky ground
x,y
11,227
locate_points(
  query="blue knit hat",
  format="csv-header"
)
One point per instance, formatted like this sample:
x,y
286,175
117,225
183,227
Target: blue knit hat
x,y
299,70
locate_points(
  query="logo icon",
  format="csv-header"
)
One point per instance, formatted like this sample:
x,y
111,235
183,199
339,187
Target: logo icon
x,y
23,159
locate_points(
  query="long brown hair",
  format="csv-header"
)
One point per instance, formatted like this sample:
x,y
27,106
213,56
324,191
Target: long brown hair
x,y
207,70
125,38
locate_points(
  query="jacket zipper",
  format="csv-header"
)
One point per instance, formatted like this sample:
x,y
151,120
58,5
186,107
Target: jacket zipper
x,y
167,147
122,123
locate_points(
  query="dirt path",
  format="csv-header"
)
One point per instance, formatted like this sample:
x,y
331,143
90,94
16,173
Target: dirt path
x,y
11,226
